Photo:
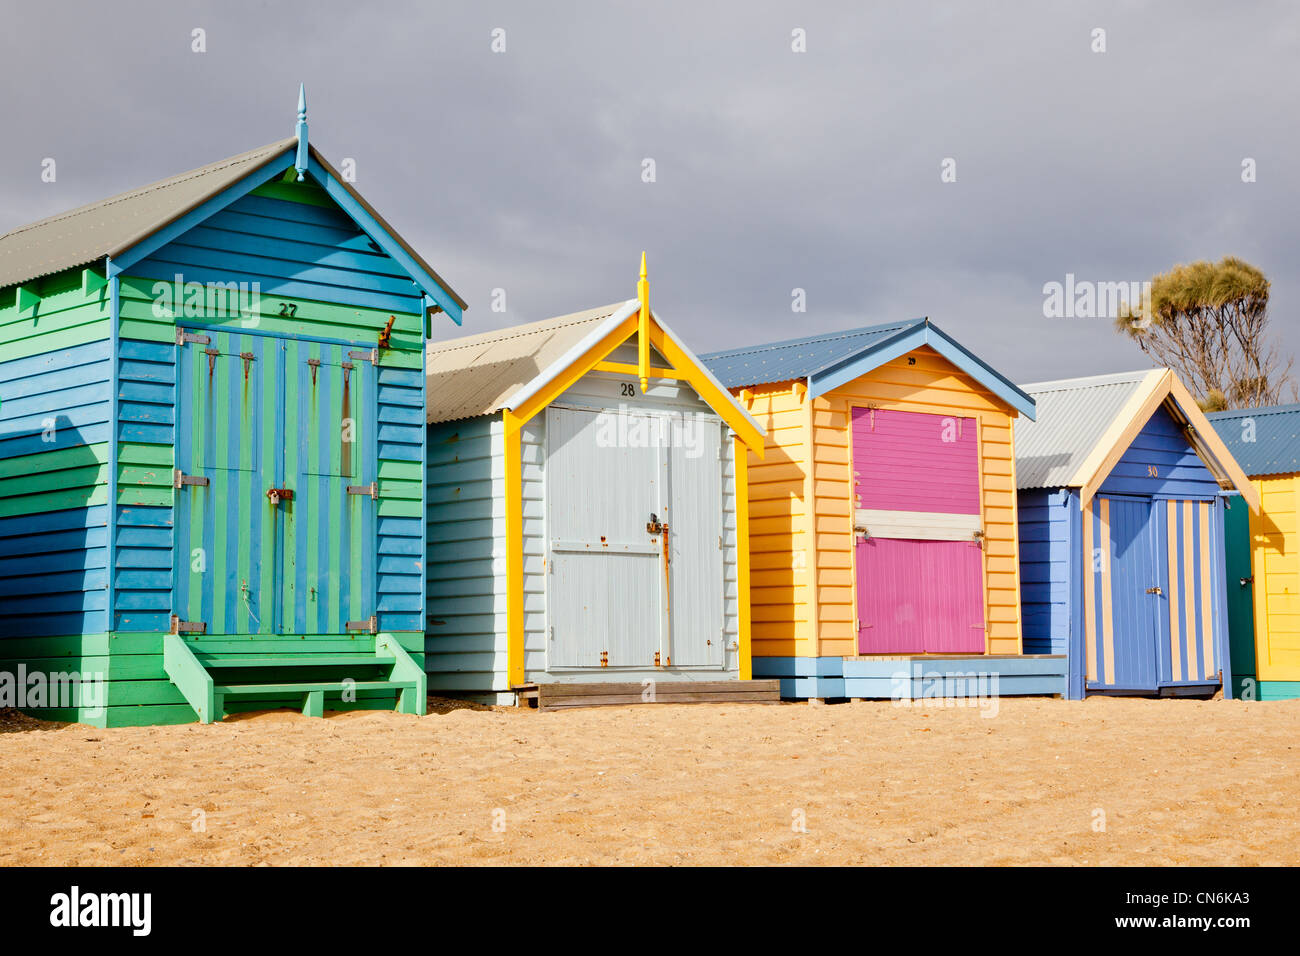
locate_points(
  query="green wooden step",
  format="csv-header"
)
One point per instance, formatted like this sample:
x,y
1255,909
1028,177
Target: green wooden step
x,y
214,662
302,687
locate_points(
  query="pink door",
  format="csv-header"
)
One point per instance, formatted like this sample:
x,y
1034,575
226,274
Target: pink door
x,y
918,596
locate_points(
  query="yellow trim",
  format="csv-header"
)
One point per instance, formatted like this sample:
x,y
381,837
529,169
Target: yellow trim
x,y
1107,609
1189,593
1015,536
813,554
580,367
740,452
1259,574
643,328
625,368
1115,441
719,399
1175,613
514,549
1207,619
1089,595
1159,385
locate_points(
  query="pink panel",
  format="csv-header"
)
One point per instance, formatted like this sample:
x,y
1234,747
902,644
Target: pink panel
x,y
919,597
909,461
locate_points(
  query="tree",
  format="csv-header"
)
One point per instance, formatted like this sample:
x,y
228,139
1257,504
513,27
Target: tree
x,y
1208,321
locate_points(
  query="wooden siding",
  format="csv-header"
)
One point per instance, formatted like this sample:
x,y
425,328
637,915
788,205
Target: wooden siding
x,y
55,413
1160,447
308,249
780,535
1045,563
146,425
1275,563
465,640
65,317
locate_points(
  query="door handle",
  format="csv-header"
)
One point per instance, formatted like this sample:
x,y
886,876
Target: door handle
x,y
1155,590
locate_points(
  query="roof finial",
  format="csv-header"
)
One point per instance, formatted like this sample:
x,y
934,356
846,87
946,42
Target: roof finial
x,y
643,328
300,162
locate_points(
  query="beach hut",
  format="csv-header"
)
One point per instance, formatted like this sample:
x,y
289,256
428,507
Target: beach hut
x,y
1122,482
883,516
212,447
1263,552
586,525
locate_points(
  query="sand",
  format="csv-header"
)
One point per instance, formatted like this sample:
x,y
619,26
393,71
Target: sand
x,y
1103,781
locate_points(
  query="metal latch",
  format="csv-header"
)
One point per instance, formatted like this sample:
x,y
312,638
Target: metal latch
x,y
1247,582
654,526
182,337
180,480
187,627
370,625
371,489
1155,590
366,355
279,494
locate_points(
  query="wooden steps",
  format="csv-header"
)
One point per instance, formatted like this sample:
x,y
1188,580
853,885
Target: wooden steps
x,y
211,681
562,696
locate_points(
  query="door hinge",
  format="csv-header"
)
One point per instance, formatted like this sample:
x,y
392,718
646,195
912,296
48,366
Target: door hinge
x,y
180,480
187,627
182,337
369,625
366,355
371,489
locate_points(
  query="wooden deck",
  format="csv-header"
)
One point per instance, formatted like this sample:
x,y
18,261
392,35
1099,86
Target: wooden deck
x,y
560,696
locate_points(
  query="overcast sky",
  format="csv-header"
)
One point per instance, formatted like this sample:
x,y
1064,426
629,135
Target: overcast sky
x,y
774,170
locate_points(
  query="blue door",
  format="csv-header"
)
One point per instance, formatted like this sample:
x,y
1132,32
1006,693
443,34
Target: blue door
x,y
1130,574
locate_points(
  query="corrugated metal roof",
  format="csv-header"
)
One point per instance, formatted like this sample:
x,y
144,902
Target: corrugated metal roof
x,y
1073,415
1275,433
475,375
796,358
110,226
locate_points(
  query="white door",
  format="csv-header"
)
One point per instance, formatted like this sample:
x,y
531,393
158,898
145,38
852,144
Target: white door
x,y
695,635
605,595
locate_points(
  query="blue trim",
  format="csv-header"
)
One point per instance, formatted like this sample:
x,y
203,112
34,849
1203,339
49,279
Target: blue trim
x,y
1219,604
178,227
348,203
1077,642
114,288
923,333
300,160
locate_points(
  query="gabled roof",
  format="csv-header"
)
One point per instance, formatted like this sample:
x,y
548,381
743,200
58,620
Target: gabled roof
x,y
477,374
507,369
830,360
1085,425
110,227
1274,433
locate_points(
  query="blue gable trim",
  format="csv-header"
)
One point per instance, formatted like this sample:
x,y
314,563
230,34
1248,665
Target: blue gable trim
x,y
430,286
922,333
150,244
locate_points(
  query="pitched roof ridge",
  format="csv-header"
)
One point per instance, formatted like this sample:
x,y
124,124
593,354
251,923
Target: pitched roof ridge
x,y
154,186
587,316
809,339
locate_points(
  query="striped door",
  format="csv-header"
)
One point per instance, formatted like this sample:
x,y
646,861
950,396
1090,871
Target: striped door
x,y
258,413
1152,614
919,561
229,434
324,556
